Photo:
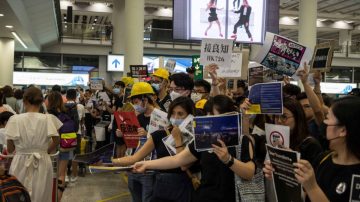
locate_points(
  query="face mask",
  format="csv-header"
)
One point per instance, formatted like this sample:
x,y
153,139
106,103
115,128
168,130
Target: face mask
x,y
174,95
116,90
156,86
139,109
176,122
196,97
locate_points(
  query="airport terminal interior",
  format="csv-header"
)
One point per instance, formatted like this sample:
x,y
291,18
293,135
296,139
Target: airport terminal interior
x,y
179,100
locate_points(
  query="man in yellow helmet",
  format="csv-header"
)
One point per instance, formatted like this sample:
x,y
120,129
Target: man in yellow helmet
x,y
160,81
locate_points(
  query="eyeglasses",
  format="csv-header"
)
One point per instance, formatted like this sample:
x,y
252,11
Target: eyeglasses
x,y
283,117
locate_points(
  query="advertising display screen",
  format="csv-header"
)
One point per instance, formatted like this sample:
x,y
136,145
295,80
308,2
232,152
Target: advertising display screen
x,y
241,20
50,79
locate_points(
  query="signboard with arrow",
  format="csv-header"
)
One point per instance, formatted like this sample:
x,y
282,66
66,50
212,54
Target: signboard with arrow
x,y
115,63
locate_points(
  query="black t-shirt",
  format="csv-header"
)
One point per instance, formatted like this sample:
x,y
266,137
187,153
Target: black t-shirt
x,y
144,121
117,102
310,149
164,103
217,180
161,150
335,180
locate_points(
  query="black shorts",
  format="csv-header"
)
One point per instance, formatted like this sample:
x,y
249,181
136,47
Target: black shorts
x,y
212,18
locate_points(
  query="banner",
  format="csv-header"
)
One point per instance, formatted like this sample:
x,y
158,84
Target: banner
x,y
208,129
96,84
283,55
198,74
322,57
277,135
158,121
218,51
266,98
261,74
103,155
287,188
139,71
128,124
234,70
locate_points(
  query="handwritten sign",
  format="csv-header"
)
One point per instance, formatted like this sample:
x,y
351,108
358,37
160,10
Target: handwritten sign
x,y
234,70
218,51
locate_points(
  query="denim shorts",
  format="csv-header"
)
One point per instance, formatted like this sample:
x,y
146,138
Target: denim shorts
x,y
66,155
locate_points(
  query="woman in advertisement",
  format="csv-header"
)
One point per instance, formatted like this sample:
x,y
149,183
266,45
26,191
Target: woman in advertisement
x,y
213,16
244,18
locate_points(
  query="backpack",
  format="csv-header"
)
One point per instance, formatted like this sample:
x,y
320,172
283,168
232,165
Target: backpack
x,y
68,136
11,190
72,112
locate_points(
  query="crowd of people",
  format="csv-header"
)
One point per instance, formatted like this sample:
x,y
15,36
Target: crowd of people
x,y
35,124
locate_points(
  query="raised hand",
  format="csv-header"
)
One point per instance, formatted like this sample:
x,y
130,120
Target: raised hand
x,y
305,174
268,169
221,152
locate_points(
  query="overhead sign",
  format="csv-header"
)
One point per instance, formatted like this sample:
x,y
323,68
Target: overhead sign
x,y
115,63
50,79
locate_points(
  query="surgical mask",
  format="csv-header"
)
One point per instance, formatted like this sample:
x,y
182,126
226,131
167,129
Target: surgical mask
x,y
156,86
116,90
196,97
139,109
174,95
176,122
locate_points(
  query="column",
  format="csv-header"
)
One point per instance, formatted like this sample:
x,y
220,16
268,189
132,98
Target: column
x,y
134,32
307,22
344,37
118,35
7,50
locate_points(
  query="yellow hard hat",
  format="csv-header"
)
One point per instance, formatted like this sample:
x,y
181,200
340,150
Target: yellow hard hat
x,y
162,73
200,104
141,88
128,80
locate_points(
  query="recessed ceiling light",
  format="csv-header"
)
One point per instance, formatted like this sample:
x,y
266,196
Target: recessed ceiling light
x,y
1,14
9,26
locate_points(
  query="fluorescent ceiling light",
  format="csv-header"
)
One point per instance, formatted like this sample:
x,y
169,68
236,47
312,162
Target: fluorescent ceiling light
x,y
19,40
9,26
321,20
294,18
348,21
1,15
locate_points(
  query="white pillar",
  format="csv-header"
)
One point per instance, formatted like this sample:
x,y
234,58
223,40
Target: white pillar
x,y
344,37
7,49
307,22
134,32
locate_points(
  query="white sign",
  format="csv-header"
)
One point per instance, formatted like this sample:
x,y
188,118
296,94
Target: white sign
x,y
218,51
96,84
170,65
115,63
234,71
277,135
50,79
158,121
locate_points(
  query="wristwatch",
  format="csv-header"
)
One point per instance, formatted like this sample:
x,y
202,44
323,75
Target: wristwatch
x,y
231,162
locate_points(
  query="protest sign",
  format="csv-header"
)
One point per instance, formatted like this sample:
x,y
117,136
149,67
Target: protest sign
x,y
322,57
355,188
283,55
287,188
277,135
128,124
170,65
103,155
266,98
96,84
158,121
217,51
198,74
234,70
139,71
261,74
208,129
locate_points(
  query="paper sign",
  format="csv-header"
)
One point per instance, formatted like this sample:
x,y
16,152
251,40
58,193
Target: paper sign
x,y
322,57
261,74
108,168
139,71
128,124
217,51
355,188
96,84
266,98
277,135
234,70
170,65
104,155
283,55
287,188
158,121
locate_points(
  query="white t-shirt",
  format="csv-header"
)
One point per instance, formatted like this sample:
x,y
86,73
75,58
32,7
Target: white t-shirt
x,y
8,108
81,111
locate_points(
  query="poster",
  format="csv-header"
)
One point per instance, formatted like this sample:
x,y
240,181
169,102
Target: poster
x,y
234,70
261,74
217,51
128,124
283,55
170,65
139,71
96,84
103,155
322,57
198,74
158,121
277,135
208,129
287,188
355,188
266,98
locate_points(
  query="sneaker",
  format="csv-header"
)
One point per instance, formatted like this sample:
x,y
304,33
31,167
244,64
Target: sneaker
x,y
73,179
67,178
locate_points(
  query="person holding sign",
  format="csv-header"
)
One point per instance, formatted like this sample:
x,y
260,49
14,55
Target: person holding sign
x,y
331,180
170,184
218,167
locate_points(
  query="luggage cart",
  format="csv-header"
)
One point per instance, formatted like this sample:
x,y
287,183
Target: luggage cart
x,y
6,161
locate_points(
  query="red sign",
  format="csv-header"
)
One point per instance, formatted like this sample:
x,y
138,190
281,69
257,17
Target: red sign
x,y
128,124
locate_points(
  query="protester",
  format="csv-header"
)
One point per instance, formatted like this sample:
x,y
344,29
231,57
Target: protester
x,y
180,85
4,118
160,81
18,94
34,136
4,107
9,97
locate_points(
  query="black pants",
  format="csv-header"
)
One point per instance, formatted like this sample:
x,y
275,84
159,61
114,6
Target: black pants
x,y
234,3
238,24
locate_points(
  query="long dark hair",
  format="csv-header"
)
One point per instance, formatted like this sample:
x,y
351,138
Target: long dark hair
x,y
300,131
55,103
184,102
347,112
224,104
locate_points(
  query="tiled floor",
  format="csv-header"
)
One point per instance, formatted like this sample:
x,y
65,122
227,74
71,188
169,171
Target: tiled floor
x,y
104,187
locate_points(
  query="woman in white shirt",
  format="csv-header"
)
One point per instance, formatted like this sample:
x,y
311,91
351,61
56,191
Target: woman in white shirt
x,y
34,136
